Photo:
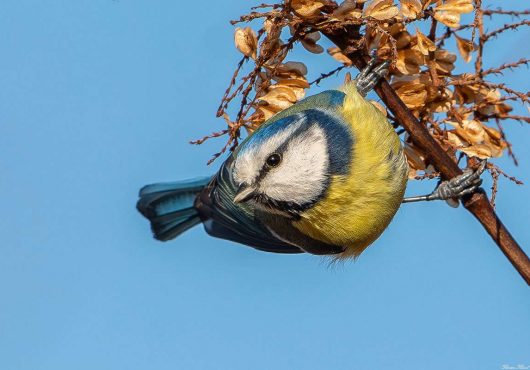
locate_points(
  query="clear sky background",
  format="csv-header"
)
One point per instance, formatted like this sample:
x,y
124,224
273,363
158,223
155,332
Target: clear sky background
x,y
98,98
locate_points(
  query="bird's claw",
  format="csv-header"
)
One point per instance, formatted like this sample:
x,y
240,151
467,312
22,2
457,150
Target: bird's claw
x,y
371,75
457,187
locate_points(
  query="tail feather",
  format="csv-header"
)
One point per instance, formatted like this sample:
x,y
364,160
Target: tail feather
x,y
170,230
170,206
173,216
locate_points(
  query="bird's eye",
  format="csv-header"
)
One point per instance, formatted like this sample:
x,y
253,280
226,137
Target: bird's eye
x,y
273,160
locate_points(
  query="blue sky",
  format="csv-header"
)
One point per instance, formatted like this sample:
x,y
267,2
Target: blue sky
x,y
98,98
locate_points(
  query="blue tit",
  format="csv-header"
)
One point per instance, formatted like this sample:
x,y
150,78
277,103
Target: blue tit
x,y
325,176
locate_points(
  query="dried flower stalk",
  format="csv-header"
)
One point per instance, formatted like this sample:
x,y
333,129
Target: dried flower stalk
x,y
447,114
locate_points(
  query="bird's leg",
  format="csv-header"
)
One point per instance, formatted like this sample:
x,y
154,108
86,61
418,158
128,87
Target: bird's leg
x,y
370,75
457,187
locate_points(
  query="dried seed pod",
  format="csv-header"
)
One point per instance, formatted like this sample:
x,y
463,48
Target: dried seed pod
x,y
465,48
414,95
309,42
281,97
262,113
410,8
347,10
449,12
455,141
381,10
450,19
409,61
290,68
427,3
415,160
296,86
481,151
440,100
246,41
307,8
476,139
380,107
403,40
424,44
444,61
456,6
336,53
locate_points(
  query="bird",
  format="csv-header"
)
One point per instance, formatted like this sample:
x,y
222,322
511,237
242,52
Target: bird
x,y
325,176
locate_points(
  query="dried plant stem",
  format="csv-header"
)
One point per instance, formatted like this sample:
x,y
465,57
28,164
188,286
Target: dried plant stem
x,y
507,27
326,75
479,24
513,13
478,203
504,66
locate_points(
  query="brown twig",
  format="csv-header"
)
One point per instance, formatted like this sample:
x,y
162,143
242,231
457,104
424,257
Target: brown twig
x,y
513,13
517,118
524,97
505,28
449,32
326,75
502,67
510,147
432,63
495,186
478,25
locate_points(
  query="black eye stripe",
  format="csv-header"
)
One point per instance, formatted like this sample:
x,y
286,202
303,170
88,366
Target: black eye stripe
x,y
296,133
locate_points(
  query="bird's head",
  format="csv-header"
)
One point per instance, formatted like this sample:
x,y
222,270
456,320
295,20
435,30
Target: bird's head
x,y
285,166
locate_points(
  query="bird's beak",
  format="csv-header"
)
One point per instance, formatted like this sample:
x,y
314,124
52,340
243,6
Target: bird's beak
x,y
244,193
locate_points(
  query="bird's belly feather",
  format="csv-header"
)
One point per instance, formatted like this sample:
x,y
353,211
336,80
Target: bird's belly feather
x,y
359,206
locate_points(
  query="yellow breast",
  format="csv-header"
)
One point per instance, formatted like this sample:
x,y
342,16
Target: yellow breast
x,y
358,207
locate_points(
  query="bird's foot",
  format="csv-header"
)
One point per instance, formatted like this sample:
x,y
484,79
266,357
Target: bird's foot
x,y
371,75
457,187
454,189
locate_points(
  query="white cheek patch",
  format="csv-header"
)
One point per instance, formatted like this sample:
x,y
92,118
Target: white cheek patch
x,y
301,176
250,162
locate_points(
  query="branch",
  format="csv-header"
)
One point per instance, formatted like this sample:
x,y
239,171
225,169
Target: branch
x,y
524,97
326,75
502,67
513,13
478,25
505,28
477,203
517,118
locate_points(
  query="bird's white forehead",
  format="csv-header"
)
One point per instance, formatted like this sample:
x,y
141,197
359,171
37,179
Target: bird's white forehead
x,y
249,162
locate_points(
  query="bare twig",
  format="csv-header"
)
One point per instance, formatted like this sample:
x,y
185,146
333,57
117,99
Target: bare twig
x,y
326,75
513,13
505,28
478,24
504,66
